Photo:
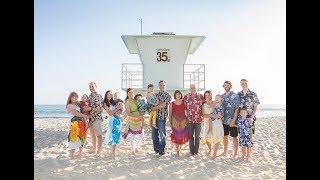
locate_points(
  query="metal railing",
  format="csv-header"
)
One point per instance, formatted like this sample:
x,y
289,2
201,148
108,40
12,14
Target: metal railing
x,y
132,76
194,74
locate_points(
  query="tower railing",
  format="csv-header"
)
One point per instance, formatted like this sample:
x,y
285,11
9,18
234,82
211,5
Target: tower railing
x,y
132,76
194,74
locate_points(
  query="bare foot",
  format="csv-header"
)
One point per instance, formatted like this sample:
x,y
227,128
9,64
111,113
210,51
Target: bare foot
x,y
133,153
209,153
243,158
98,153
234,155
92,151
223,154
189,155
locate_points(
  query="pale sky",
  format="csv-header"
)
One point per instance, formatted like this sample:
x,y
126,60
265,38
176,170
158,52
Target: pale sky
x,y
79,41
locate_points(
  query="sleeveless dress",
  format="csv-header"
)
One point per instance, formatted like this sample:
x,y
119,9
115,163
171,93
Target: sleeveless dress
x,y
77,130
134,125
179,133
114,129
217,126
207,137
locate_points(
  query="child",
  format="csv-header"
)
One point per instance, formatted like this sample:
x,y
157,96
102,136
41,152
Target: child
x,y
245,133
114,128
142,105
83,124
152,101
85,108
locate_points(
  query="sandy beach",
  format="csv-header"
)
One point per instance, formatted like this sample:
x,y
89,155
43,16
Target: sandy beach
x,y
51,159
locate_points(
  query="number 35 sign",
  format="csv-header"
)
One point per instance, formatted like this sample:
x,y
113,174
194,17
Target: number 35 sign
x,y
163,55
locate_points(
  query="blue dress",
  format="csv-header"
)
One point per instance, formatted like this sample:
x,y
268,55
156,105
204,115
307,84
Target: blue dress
x,y
114,131
245,128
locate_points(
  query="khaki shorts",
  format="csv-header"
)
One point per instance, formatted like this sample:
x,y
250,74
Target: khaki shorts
x,y
96,127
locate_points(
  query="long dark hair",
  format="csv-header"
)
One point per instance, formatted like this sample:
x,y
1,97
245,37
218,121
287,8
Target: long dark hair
x,y
204,95
72,94
108,102
128,90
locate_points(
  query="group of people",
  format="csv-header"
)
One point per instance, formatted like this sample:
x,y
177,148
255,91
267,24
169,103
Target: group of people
x,y
193,118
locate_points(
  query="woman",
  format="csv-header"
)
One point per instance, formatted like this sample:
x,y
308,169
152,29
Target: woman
x,y
178,122
207,135
135,122
113,132
216,125
76,135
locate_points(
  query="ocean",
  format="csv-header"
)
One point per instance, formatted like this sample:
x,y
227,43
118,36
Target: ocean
x,y
59,111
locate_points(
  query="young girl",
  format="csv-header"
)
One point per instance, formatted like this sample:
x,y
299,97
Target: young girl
x,y
207,109
245,133
216,126
152,101
114,128
134,128
178,122
75,138
84,109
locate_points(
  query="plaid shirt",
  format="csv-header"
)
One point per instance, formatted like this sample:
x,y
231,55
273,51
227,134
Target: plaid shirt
x,y
194,107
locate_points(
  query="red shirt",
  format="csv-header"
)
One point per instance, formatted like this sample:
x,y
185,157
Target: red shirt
x,y
194,107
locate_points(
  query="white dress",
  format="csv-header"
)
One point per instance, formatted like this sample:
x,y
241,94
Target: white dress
x,y
206,137
217,127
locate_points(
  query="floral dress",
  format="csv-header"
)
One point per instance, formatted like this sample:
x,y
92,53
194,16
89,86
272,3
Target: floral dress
x,y
245,130
114,129
77,130
179,123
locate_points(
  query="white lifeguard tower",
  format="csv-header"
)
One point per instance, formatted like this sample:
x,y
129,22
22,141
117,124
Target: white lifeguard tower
x,y
163,57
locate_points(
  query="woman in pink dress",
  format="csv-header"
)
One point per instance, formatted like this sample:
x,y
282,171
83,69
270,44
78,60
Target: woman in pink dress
x,y
178,122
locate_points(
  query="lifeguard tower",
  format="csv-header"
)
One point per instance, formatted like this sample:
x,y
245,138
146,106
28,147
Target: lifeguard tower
x,y
163,57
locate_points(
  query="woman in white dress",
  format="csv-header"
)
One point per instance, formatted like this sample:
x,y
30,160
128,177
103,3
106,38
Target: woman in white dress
x,y
216,125
207,135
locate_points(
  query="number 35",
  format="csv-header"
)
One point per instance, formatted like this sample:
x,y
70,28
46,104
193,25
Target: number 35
x,y
162,56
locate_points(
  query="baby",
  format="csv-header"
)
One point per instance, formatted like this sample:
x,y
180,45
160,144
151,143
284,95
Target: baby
x,y
85,108
142,105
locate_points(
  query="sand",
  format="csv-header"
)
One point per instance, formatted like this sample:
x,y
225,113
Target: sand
x,y
51,157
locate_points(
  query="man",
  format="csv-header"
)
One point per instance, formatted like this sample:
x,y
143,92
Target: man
x,y
230,104
248,100
95,122
193,103
159,132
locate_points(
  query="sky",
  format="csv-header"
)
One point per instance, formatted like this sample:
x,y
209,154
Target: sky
x,y
79,41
